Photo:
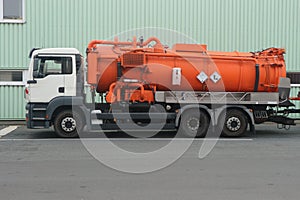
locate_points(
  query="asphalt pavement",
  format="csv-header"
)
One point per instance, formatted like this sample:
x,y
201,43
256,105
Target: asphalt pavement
x,y
35,164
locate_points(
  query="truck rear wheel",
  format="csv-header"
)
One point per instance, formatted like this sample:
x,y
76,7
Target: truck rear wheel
x,y
67,124
194,124
235,124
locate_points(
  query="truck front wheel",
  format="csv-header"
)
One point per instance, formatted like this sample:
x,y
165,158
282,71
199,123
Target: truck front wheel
x,y
67,124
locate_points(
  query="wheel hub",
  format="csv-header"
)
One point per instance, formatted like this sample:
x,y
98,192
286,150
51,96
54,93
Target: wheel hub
x,y
68,124
233,124
193,124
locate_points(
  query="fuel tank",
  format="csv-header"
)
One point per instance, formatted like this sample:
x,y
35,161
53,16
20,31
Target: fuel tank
x,y
183,67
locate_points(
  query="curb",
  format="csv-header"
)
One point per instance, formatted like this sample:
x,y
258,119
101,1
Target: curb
x,y
12,122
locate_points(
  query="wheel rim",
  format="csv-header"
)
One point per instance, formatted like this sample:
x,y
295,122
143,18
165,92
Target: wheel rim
x,y
193,123
68,124
233,124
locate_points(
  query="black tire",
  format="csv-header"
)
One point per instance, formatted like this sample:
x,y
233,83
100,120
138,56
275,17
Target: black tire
x,y
68,124
194,123
235,124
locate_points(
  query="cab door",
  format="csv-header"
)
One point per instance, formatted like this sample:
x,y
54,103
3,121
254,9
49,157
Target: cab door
x,y
49,77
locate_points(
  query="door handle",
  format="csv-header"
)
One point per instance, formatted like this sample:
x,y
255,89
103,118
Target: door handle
x,y
31,81
61,89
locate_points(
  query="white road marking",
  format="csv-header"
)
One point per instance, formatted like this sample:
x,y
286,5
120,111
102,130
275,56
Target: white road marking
x,y
129,139
7,130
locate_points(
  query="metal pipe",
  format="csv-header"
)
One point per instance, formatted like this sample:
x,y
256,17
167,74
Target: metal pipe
x,y
134,43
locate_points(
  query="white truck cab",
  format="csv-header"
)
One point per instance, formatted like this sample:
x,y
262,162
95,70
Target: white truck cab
x,y
54,80
52,73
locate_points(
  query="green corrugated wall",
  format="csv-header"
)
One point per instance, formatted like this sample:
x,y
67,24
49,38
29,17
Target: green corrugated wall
x,y
12,105
224,25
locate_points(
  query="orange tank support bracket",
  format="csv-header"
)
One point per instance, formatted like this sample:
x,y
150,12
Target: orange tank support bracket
x,y
135,96
133,92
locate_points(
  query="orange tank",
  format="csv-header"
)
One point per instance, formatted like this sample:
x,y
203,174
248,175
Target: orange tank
x,y
181,68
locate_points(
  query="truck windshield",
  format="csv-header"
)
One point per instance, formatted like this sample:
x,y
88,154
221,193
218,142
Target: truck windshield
x,y
52,66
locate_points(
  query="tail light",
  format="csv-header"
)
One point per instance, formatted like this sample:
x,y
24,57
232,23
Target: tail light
x,y
26,91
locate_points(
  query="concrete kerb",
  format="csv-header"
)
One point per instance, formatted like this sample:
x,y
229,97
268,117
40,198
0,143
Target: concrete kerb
x,y
12,122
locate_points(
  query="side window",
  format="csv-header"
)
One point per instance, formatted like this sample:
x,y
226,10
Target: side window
x,y
12,11
52,66
13,77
